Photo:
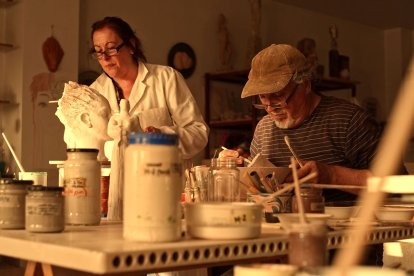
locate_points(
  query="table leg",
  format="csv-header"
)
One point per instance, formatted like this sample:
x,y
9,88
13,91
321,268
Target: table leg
x,y
37,269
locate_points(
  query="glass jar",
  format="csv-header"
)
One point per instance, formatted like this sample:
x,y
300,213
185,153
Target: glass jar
x,y
153,185
313,200
12,203
44,209
226,185
82,181
308,245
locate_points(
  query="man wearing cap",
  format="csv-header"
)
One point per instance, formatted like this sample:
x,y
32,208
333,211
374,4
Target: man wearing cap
x,y
332,137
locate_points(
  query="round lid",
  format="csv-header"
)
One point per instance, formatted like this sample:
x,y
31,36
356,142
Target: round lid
x,y
153,138
44,188
15,181
82,150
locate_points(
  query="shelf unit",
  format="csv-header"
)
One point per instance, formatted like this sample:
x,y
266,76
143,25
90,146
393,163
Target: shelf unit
x,y
248,123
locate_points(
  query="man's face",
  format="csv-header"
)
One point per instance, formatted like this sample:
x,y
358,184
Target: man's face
x,y
282,105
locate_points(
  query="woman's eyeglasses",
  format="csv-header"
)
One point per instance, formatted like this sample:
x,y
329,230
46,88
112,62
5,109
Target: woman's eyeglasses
x,y
108,52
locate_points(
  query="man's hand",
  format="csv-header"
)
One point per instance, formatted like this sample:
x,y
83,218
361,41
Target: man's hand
x,y
323,171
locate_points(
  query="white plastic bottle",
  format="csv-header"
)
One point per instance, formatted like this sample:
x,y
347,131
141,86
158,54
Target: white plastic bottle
x,y
82,183
153,184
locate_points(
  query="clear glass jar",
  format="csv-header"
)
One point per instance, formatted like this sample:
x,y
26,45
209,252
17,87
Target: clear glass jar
x,y
82,182
226,185
313,200
153,185
44,209
12,203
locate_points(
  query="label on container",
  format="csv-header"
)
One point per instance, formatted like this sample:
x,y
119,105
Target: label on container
x,y
75,187
9,201
44,209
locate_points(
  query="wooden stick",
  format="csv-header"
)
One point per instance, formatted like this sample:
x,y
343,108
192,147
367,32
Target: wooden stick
x,y
299,200
287,187
292,151
12,152
392,145
336,186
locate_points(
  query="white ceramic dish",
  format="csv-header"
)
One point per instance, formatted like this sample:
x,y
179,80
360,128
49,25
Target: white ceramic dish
x,y
224,220
340,212
394,214
293,218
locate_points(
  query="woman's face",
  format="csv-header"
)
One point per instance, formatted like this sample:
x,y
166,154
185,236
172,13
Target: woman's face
x,y
116,65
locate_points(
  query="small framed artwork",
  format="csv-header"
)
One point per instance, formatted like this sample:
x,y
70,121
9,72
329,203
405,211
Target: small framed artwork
x,y
182,58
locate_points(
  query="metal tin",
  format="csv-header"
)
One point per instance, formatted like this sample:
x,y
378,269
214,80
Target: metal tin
x,y
12,203
82,182
313,200
44,209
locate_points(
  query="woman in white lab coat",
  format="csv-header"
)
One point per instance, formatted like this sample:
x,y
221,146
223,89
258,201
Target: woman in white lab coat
x,y
158,96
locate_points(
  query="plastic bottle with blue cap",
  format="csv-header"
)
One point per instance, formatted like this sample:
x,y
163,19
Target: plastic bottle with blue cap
x,y
153,184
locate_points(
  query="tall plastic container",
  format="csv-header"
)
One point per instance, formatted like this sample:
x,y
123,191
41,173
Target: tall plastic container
x,y
153,184
82,187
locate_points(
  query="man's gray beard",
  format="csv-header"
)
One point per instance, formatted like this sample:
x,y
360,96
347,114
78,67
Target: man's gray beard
x,y
286,124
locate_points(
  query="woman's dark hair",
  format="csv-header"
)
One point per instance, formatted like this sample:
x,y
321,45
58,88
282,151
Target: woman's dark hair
x,y
124,31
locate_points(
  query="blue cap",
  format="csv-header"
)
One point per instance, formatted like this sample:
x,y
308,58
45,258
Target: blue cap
x,y
154,138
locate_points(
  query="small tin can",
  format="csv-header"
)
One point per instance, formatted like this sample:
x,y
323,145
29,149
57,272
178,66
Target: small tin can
x,y
82,182
313,200
44,209
12,203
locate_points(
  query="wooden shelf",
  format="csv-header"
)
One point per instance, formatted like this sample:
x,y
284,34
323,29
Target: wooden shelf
x,y
6,46
232,123
7,3
327,84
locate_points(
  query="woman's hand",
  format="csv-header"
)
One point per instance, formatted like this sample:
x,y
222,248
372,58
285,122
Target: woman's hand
x,y
151,129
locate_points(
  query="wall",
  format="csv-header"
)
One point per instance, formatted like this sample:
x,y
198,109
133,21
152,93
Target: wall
x,y
34,130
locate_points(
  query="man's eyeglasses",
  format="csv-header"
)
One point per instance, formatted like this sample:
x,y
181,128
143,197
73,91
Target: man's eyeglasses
x,y
108,52
280,105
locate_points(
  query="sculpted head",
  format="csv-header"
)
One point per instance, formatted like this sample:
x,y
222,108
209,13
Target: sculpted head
x,y
85,113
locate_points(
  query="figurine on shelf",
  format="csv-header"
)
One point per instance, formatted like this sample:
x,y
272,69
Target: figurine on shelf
x,y
334,53
307,46
85,114
225,49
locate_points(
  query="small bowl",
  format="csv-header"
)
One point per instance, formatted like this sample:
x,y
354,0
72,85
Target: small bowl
x,y
340,212
293,218
394,214
224,220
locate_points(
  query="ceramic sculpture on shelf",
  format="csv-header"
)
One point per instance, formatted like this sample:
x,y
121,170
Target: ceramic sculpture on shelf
x,y
85,114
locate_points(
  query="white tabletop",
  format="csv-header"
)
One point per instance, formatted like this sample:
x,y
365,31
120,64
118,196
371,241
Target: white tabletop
x,y
102,249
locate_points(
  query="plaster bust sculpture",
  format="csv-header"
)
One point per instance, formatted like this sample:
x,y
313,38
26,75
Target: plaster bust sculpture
x,y
85,114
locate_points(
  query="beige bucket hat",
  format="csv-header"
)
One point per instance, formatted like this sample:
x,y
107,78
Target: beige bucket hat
x,y
273,68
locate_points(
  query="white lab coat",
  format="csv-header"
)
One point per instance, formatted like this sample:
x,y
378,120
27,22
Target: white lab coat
x,y
161,98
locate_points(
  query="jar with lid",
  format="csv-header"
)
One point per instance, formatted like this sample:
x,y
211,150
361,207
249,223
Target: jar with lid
x,y
226,185
12,203
82,187
153,185
313,200
44,209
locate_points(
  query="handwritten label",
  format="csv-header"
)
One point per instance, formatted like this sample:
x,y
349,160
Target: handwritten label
x,y
160,169
75,187
9,201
